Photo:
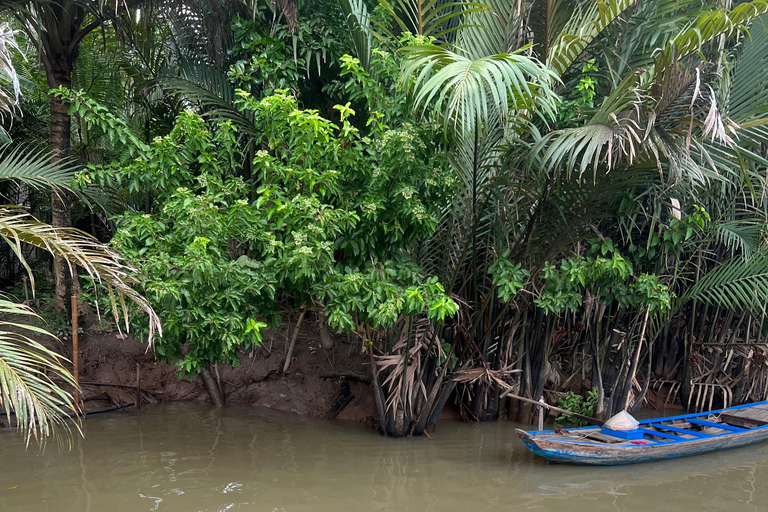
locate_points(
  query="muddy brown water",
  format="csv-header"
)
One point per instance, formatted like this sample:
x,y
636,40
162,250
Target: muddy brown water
x,y
190,458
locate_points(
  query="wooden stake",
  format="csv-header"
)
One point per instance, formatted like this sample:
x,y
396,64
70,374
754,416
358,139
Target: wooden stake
x,y
637,358
75,353
138,386
293,340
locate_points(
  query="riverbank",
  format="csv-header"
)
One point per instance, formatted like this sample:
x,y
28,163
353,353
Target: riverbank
x,y
109,363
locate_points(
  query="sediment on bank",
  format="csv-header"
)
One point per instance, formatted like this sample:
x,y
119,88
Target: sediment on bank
x,y
110,364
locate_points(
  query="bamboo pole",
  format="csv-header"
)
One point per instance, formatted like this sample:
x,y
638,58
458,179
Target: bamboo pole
x,y
591,421
75,353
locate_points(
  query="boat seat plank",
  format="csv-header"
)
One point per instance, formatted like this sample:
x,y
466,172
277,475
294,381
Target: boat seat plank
x,y
750,412
664,435
742,421
721,426
680,430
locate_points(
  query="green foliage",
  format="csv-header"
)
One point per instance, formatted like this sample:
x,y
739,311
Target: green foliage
x,y
208,294
270,64
356,15
583,97
509,278
604,273
378,86
466,92
581,30
570,401
273,53
325,220
27,369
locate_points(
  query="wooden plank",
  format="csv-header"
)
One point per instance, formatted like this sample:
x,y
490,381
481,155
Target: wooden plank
x,y
741,421
751,414
680,430
597,436
721,426
664,435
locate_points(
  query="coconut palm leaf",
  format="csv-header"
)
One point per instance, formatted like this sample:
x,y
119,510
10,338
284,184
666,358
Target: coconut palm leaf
x,y
33,167
740,236
359,24
492,31
429,18
466,92
710,26
27,372
211,90
750,75
683,107
738,283
8,99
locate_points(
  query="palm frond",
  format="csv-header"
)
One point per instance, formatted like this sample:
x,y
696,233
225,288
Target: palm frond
x,y
493,31
592,145
30,166
359,24
581,30
737,284
708,27
740,236
79,249
468,92
33,167
429,18
211,90
27,370
8,101
750,75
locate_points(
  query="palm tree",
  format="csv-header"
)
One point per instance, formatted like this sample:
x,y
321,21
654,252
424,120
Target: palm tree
x,y
504,80
57,30
31,375
537,184
28,369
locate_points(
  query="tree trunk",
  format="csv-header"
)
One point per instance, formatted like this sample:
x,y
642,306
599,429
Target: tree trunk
x,y
217,399
61,214
60,32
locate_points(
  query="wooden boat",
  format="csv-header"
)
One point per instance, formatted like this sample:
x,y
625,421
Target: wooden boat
x,y
654,439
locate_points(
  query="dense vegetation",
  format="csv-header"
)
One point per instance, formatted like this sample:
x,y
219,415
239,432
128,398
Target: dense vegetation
x,y
540,196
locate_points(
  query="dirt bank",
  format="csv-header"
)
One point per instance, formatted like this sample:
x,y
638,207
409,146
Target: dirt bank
x,y
105,358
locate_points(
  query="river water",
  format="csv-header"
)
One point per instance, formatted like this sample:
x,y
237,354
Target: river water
x,y
190,458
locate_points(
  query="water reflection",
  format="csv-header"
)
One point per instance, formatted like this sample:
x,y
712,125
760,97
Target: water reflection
x,y
187,458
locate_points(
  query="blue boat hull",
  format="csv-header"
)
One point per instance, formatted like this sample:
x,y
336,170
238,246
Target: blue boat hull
x,y
662,440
